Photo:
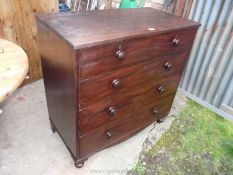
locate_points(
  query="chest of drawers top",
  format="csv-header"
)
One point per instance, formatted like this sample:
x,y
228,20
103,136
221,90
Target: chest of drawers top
x,y
85,29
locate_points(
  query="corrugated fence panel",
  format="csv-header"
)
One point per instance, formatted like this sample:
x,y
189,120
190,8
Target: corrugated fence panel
x,y
208,77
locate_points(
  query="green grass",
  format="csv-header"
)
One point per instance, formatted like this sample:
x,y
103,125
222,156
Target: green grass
x,y
198,142
140,169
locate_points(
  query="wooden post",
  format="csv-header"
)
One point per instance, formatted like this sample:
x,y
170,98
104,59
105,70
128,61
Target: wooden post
x,y
178,7
19,25
108,4
1,29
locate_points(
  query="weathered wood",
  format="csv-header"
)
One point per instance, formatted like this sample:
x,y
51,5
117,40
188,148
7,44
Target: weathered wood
x,y
1,29
13,67
108,4
178,7
18,25
187,8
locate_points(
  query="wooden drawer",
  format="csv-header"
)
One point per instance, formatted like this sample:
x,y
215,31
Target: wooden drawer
x,y
155,96
97,115
100,59
102,113
166,65
154,106
172,43
97,89
114,84
104,58
119,130
111,134
104,136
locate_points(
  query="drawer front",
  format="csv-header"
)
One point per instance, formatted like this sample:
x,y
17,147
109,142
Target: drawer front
x,y
160,95
119,130
113,84
153,107
104,58
165,66
118,83
105,136
124,107
100,59
176,42
102,113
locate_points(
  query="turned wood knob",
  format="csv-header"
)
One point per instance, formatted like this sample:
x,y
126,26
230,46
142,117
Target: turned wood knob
x,y
120,54
167,66
155,111
116,83
175,41
109,134
161,88
111,111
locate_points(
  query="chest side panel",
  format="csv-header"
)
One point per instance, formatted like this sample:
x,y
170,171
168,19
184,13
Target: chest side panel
x,y
58,60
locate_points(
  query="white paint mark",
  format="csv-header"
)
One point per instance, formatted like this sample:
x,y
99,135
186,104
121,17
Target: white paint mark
x,y
151,29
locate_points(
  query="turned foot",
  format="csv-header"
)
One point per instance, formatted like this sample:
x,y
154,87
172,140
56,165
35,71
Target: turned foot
x,y
79,164
160,120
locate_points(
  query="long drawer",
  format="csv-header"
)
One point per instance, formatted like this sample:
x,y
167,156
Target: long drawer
x,y
117,83
101,59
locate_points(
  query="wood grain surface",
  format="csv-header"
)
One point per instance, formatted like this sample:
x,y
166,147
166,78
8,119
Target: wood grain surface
x,y
97,97
112,25
13,67
18,25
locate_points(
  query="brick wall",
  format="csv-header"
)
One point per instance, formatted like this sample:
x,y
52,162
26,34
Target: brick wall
x,y
157,4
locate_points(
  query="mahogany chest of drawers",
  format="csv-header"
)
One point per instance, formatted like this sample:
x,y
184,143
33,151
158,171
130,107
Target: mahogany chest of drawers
x,y
108,74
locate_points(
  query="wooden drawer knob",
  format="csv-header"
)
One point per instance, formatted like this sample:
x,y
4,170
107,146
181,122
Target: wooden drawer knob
x,y
155,112
111,111
120,54
167,66
109,134
116,83
161,88
175,41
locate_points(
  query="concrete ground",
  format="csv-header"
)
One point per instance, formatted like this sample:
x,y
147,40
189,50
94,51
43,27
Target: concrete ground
x,y
28,146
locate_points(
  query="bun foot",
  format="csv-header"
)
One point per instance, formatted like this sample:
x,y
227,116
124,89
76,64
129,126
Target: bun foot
x,y
79,164
160,120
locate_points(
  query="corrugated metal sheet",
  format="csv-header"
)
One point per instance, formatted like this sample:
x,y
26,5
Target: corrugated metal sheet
x,y
208,77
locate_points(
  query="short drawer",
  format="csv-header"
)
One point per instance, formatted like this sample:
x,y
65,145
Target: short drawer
x,y
172,43
105,58
113,84
102,113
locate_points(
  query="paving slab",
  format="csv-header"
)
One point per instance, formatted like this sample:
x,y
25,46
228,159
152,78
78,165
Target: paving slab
x,y
28,146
